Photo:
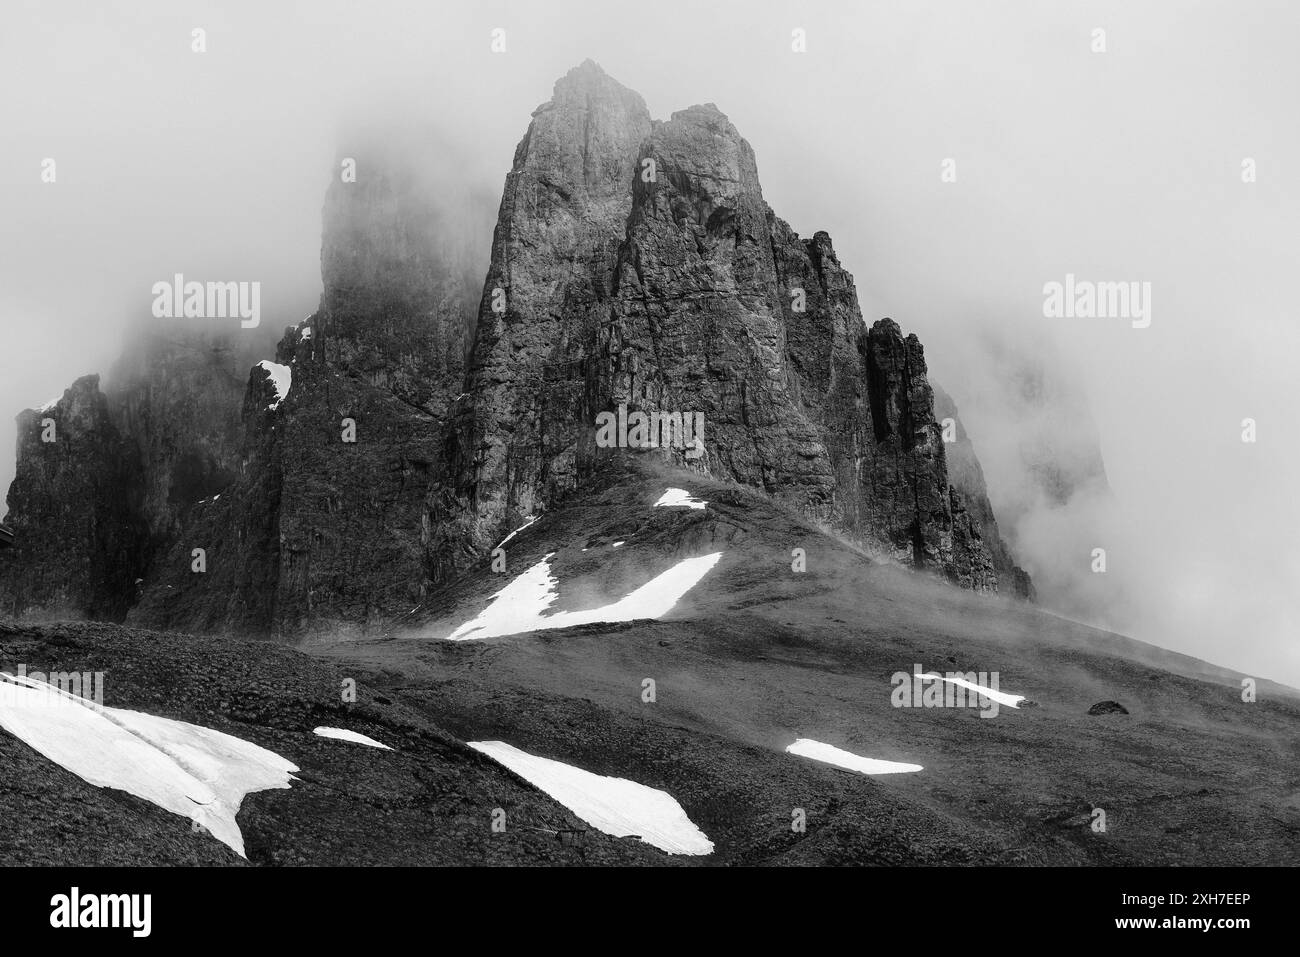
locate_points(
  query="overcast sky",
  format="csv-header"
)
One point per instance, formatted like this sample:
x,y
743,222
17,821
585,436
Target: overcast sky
x,y
1115,166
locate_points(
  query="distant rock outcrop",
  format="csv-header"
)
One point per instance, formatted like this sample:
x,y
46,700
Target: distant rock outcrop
x,y
967,477
76,508
327,525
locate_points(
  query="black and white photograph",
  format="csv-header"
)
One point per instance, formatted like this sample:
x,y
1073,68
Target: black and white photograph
x,y
704,436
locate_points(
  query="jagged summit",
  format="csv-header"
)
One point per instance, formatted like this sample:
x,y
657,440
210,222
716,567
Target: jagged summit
x,y
708,115
588,67
587,85
634,266
693,296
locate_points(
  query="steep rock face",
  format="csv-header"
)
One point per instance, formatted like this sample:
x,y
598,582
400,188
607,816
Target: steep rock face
x,y
75,507
175,396
318,532
696,324
353,540
234,589
327,524
642,267
967,477
910,502
563,212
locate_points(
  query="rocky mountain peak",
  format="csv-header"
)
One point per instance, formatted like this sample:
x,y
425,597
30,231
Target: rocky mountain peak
x,y
419,416
692,297
581,140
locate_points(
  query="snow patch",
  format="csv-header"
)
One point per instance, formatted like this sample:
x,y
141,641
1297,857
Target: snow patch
x,y
343,734
616,544
679,498
1001,697
281,378
616,806
520,606
196,772
808,748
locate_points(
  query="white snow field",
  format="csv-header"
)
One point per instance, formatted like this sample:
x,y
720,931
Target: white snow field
x,y
281,377
808,748
192,771
356,737
519,607
614,805
1001,697
679,498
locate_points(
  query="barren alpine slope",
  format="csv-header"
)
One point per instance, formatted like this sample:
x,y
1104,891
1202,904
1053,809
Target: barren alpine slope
x,y
753,657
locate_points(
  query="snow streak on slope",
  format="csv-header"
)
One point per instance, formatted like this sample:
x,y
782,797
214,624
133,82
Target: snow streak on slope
x,y
614,805
807,748
679,498
531,519
192,771
356,737
519,607
1001,697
